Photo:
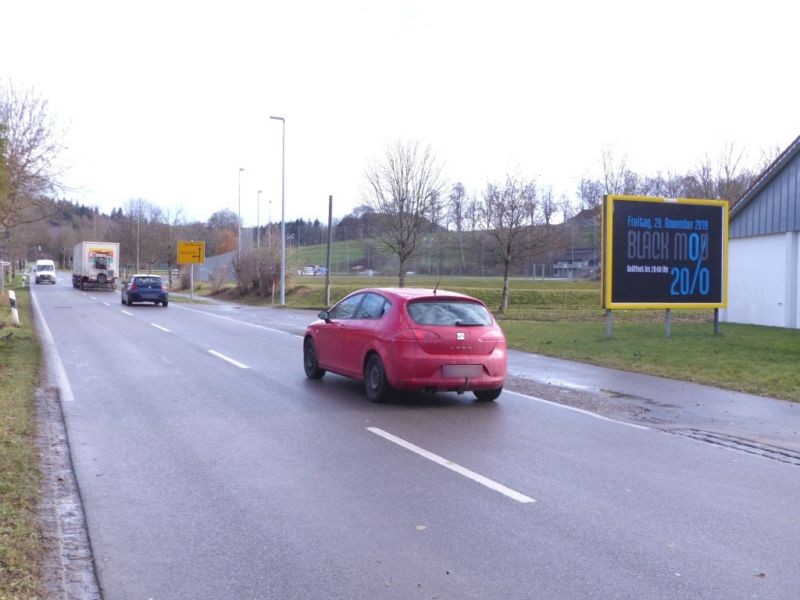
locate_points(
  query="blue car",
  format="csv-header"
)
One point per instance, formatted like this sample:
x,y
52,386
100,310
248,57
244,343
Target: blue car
x,y
145,288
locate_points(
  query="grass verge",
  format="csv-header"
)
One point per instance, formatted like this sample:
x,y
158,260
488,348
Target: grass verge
x,y
20,541
746,358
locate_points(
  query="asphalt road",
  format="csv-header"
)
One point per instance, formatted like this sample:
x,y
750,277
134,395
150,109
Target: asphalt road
x,y
210,467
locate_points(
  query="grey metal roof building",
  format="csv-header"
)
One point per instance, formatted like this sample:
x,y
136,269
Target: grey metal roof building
x,y
772,204
764,247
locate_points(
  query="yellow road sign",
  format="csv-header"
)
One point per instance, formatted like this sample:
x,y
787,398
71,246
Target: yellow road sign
x,y
191,253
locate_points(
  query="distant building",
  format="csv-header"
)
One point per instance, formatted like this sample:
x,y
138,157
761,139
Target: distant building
x,y
580,263
764,248
220,266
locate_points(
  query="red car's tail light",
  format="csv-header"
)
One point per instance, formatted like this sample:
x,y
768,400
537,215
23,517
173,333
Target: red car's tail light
x,y
419,335
493,335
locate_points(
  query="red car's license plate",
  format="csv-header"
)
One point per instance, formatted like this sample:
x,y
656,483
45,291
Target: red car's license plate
x,y
462,370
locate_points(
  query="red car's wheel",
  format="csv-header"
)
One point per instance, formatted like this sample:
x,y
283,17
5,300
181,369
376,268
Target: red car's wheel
x,y
310,360
375,383
488,395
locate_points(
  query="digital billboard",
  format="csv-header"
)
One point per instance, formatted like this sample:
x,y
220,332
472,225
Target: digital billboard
x,y
664,252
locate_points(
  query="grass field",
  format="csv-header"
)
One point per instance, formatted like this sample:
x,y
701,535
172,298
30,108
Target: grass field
x,y
19,471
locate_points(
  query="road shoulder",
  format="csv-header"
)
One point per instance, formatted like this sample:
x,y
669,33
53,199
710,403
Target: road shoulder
x,y
67,566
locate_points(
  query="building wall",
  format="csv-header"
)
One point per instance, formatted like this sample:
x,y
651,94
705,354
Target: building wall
x,y
205,272
763,281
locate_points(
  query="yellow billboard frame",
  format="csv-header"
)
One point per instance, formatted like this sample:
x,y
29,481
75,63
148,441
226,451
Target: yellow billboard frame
x,y
608,252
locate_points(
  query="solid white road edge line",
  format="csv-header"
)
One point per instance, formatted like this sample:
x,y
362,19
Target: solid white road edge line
x,y
59,375
492,485
230,360
160,327
580,410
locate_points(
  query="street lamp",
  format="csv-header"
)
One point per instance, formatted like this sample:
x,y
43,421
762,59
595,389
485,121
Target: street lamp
x,y
269,224
283,208
138,220
258,220
239,256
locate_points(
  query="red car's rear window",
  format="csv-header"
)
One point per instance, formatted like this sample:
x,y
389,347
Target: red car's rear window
x,y
461,313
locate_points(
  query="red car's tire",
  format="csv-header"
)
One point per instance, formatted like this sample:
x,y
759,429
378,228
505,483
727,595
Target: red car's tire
x,y
376,384
488,395
310,364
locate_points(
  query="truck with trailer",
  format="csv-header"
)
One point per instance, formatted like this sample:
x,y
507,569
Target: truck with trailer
x,y
95,265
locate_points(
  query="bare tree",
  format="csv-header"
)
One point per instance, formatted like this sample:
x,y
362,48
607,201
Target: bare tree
x,y
29,148
506,209
613,174
456,215
617,178
406,188
456,206
567,207
768,156
700,182
549,206
144,234
733,178
473,213
667,185
726,179
590,193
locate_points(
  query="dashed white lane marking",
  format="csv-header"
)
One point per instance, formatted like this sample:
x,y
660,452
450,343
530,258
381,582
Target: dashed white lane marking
x,y
160,327
92,297
580,410
106,304
125,312
228,359
492,485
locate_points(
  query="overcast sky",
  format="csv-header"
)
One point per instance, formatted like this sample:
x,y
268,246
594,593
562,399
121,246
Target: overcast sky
x,y
166,100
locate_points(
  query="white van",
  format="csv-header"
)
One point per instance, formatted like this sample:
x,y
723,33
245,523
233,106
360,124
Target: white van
x,y
45,271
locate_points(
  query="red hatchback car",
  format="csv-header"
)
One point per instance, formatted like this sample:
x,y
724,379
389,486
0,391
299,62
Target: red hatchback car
x,y
409,339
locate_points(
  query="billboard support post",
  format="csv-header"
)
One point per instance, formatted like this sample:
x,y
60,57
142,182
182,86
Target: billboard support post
x,y
608,323
716,321
668,319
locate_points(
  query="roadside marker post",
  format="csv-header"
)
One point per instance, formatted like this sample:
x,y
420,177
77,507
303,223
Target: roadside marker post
x,y
12,299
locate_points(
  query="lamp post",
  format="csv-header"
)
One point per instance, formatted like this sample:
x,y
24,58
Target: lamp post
x,y
283,208
269,224
258,220
138,220
239,254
